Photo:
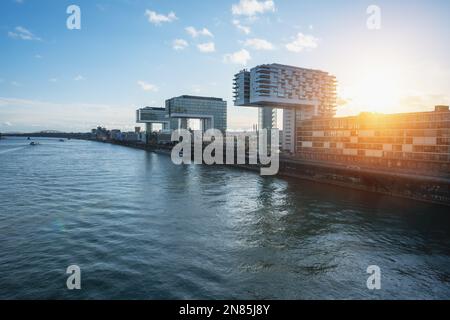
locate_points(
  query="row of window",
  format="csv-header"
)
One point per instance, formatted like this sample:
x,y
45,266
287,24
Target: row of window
x,y
346,125
371,140
395,154
379,163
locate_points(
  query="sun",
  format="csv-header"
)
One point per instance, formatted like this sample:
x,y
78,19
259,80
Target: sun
x,y
376,88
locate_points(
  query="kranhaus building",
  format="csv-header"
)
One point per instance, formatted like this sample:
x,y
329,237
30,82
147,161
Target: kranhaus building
x,y
212,113
301,93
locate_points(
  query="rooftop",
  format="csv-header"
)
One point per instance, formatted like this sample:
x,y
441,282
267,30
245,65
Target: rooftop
x,y
197,98
438,109
279,65
153,108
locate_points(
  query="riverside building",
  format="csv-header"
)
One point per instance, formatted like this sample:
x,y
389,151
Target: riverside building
x,y
418,142
301,93
212,113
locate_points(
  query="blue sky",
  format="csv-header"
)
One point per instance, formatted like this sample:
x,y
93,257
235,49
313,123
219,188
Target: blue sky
x,y
133,53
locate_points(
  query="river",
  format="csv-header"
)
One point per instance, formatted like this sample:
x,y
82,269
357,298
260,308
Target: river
x,y
140,227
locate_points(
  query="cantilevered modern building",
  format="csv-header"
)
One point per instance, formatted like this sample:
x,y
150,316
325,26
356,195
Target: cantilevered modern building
x,y
212,113
151,116
302,93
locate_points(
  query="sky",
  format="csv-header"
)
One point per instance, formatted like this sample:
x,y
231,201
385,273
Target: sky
x,y
136,53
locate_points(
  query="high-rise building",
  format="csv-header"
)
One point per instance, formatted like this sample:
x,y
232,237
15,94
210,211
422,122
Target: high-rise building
x,y
284,86
212,113
300,92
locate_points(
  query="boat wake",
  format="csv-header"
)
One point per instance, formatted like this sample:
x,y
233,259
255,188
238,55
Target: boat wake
x,y
11,150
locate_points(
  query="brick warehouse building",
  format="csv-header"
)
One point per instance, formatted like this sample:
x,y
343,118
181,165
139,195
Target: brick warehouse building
x,y
415,142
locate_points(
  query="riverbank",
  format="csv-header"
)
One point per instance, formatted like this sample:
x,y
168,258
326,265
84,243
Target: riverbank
x,y
427,189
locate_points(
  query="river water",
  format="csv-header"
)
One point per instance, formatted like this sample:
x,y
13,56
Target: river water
x,y
140,227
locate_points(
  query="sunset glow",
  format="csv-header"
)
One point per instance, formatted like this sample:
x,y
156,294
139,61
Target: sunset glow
x,y
377,90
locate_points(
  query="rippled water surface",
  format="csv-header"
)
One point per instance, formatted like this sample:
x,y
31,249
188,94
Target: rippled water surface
x,y
140,227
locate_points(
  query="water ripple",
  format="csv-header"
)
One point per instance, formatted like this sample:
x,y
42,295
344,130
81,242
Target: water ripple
x,y
142,228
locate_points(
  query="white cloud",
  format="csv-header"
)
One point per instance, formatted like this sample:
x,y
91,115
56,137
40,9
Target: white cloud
x,y
194,33
18,1
157,18
258,44
15,84
302,42
23,34
179,44
79,78
53,80
7,124
206,47
147,86
252,7
240,27
101,7
38,56
197,89
238,57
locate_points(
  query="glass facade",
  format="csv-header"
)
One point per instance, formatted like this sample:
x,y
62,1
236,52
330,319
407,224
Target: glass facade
x,y
283,86
213,111
149,114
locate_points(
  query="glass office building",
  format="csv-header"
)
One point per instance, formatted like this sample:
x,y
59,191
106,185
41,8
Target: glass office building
x,y
212,112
